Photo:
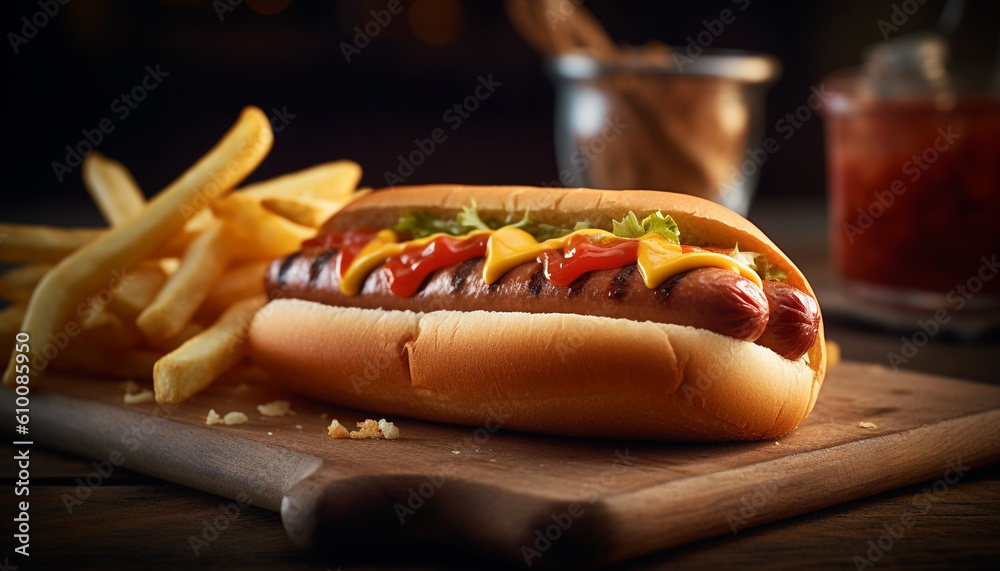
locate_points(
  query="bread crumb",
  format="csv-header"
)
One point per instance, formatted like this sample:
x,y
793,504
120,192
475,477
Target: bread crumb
x,y
493,459
138,398
235,417
130,386
381,429
865,424
299,426
776,443
270,434
337,430
275,408
366,429
388,429
456,451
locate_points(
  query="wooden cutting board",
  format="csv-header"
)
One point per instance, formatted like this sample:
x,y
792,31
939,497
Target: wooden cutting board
x,y
527,498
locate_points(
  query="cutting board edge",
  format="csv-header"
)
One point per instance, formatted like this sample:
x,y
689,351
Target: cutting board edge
x,y
774,511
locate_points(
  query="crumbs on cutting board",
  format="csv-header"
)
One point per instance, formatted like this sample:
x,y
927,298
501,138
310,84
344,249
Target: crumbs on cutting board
x,y
130,386
275,408
234,417
866,424
143,396
382,430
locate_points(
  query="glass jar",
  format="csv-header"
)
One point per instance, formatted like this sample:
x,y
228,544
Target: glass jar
x,y
913,167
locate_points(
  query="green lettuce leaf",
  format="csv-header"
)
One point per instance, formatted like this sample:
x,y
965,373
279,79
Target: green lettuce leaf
x,y
422,225
759,264
468,220
664,225
543,232
656,223
628,227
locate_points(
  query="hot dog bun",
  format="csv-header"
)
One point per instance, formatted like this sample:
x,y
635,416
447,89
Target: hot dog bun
x,y
552,373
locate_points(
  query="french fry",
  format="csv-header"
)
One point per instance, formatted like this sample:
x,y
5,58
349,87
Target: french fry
x,y
177,301
175,246
27,243
312,213
297,211
10,323
194,365
102,327
17,284
171,343
122,364
239,282
144,281
266,235
112,188
87,269
328,181
832,354
10,319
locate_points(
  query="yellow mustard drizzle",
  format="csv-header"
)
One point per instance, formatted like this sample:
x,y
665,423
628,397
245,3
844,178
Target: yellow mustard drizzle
x,y
659,259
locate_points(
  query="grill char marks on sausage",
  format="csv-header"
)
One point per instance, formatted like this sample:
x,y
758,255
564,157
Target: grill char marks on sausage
x,y
461,274
578,285
284,266
663,290
618,288
536,283
321,261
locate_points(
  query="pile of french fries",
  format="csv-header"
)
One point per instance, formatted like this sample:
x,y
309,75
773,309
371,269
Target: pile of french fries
x,y
168,290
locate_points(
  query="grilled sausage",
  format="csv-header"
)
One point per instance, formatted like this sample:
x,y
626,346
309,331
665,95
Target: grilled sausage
x,y
793,323
708,298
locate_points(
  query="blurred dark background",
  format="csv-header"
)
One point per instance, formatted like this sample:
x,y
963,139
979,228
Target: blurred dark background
x,y
286,56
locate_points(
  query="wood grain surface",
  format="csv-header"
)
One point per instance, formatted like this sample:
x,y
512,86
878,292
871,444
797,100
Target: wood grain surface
x,y
499,493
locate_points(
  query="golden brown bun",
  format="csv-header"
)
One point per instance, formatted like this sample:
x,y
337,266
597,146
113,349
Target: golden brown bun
x,y
552,373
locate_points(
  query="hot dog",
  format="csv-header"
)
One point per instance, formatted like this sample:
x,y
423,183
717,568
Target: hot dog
x,y
702,338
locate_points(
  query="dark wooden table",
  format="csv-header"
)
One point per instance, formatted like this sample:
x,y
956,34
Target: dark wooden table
x,y
132,521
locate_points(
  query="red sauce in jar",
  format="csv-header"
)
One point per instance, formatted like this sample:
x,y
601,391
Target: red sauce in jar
x,y
915,191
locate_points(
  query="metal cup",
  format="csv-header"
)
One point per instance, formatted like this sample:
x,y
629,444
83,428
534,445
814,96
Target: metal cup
x,y
663,123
